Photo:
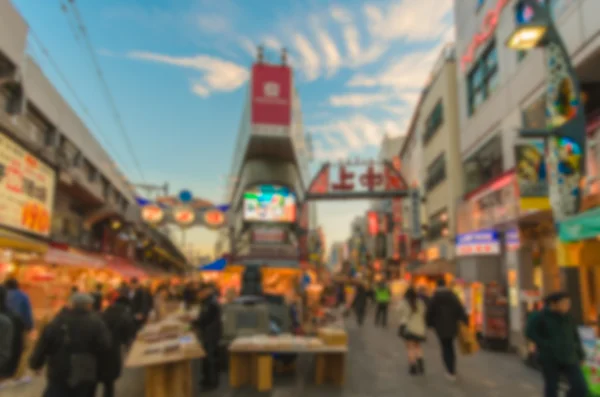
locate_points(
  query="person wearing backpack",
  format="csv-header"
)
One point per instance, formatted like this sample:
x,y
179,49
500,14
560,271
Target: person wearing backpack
x,y
6,335
559,347
71,347
15,338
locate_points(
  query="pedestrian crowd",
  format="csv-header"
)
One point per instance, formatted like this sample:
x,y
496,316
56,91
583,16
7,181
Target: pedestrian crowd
x,y
83,347
559,351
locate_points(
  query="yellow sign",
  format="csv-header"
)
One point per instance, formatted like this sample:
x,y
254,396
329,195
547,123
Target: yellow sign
x,y
433,253
26,189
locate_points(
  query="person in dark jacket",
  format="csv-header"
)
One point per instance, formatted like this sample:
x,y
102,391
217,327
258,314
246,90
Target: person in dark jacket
x,y
6,335
71,347
359,303
556,337
190,294
98,297
16,337
444,313
209,327
19,303
140,306
119,322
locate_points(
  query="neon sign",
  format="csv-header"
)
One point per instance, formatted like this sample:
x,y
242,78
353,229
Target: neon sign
x,y
490,22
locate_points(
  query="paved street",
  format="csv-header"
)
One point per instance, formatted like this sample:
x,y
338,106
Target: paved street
x,y
377,368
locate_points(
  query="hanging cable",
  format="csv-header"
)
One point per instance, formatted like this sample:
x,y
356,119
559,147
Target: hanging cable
x,y
109,96
69,86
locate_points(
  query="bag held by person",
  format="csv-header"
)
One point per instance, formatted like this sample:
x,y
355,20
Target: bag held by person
x,y
467,342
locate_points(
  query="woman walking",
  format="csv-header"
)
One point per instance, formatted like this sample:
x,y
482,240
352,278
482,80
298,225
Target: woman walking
x,y
413,329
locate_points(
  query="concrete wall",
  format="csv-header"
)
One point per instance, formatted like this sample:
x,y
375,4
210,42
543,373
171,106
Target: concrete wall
x,y
519,82
13,33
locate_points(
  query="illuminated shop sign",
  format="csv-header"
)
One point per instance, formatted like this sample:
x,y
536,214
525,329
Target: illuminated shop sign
x,y
152,214
485,242
490,22
512,239
214,218
184,216
270,203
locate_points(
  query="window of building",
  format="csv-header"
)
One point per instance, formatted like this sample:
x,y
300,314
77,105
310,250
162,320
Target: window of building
x,y
37,125
485,165
90,171
436,172
482,81
438,225
124,205
105,188
434,121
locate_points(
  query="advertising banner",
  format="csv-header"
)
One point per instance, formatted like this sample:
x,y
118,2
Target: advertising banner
x,y
531,176
591,367
485,242
27,188
373,223
269,203
271,95
564,164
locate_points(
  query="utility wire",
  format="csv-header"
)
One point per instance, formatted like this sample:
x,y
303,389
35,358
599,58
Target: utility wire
x,y
107,91
69,86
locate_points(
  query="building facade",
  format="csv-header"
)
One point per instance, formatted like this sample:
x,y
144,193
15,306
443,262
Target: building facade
x,y
442,184
499,92
69,191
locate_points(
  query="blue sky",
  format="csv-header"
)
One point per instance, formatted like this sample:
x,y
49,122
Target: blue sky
x,y
178,72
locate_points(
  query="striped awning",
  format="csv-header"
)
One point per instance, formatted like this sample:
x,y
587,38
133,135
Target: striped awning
x,y
70,258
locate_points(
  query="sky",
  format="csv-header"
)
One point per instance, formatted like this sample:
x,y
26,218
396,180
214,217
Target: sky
x,y
178,72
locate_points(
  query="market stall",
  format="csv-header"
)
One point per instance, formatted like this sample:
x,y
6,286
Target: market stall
x,y
166,350
251,358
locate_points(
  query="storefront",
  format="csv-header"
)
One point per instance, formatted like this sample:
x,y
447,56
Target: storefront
x,y
579,251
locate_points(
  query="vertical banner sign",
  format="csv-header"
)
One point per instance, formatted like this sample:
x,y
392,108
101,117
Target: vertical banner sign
x,y
531,176
373,223
415,208
271,95
564,162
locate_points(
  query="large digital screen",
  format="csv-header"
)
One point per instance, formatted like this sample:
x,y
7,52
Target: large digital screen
x,y
269,203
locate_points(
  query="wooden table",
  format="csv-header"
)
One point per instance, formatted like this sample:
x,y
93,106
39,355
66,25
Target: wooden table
x,y
166,374
253,364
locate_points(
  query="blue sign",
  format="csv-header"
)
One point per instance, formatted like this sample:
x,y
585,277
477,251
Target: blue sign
x,y
484,242
185,196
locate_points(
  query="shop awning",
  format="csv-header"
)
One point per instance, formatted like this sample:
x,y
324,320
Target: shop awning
x,y
581,227
169,257
124,267
69,258
434,268
216,266
20,242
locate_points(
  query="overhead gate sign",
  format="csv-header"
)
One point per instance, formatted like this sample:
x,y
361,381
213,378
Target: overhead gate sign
x,y
271,96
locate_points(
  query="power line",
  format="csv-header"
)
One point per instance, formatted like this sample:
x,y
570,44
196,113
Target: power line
x,y
107,91
72,91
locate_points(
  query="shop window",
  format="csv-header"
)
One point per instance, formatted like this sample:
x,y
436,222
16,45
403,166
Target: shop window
x,y
438,225
482,81
436,172
485,165
433,122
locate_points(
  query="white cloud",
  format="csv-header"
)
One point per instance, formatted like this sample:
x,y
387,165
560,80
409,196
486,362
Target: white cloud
x,y
421,20
248,46
272,43
357,100
409,73
213,23
340,14
218,74
333,59
310,61
352,41
356,133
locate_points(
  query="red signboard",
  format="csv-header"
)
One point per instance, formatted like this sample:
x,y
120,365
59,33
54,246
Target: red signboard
x,y
271,94
373,223
214,218
490,22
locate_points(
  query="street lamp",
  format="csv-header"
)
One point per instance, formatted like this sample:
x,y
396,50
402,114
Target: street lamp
x,y
565,132
533,22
